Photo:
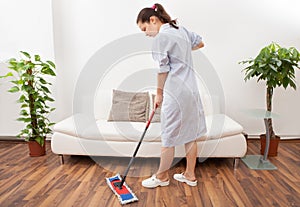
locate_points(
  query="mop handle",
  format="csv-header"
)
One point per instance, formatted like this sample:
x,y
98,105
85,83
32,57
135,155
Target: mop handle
x,y
151,116
142,137
138,146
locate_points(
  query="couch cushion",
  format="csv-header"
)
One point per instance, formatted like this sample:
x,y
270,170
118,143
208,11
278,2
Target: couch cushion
x,y
105,130
123,131
218,126
129,106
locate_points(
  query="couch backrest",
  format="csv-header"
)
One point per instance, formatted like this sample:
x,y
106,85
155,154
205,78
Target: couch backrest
x,y
103,101
102,104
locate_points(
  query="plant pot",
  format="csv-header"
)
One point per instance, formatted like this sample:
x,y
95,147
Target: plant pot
x,y
273,148
35,149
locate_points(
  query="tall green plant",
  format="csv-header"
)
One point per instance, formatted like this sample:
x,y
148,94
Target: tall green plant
x,y
28,78
276,66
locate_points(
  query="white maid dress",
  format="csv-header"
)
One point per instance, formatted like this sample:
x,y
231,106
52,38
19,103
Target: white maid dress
x,y
182,115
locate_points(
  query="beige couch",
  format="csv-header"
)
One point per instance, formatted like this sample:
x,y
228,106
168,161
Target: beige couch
x,y
93,135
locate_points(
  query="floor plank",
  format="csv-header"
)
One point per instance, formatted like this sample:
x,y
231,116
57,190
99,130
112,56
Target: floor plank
x,y
43,181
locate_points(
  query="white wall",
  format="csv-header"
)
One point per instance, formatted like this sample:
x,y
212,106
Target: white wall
x,y
232,31
235,30
27,26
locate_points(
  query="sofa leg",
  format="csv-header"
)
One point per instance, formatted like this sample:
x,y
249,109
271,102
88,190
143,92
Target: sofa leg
x,y
201,159
236,161
62,161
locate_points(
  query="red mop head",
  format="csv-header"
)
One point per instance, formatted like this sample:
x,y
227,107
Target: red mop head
x,y
124,194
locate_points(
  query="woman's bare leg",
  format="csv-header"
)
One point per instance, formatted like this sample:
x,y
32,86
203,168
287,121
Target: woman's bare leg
x,y
166,159
191,157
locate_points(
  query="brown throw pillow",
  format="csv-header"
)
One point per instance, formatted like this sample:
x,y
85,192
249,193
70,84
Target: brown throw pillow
x,y
129,106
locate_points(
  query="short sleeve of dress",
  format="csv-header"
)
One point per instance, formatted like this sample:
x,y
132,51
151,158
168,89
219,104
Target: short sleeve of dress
x,y
160,50
194,37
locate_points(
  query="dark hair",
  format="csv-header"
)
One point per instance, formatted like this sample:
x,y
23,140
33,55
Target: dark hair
x,y
158,11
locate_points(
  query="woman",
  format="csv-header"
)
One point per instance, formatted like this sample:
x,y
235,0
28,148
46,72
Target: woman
x,y
182,116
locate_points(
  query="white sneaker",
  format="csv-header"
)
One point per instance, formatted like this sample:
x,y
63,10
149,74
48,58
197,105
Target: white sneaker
x,y
182,178
154,182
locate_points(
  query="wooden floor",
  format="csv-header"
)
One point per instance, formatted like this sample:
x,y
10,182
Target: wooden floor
x,y
43,181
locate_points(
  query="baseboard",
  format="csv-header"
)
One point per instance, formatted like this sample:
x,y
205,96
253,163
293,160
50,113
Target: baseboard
x,y
249,137
282,137
11,138
16,139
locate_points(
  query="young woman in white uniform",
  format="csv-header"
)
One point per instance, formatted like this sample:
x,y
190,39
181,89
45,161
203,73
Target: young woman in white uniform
x,y
182,116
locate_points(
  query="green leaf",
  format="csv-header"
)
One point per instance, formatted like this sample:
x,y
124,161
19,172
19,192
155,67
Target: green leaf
x,y
24,113
26,54
43,81
49,99
7,75
40,140
45,89
261,78
29,126
17,82
293,85
37,58
27,89
25,131
41,124
25,120
51,63
22,99
285,82
272,47
48,71
12,61
246,61
14,89
24,106
51,124
261,65
278,63
37,105
273,67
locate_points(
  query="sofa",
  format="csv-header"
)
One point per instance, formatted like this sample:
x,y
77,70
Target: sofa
x,y
93,134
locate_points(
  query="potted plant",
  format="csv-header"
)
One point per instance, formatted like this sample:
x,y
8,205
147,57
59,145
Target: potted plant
x,y
28,78
276,66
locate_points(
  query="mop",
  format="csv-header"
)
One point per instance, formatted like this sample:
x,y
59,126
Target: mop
x,y
117,183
